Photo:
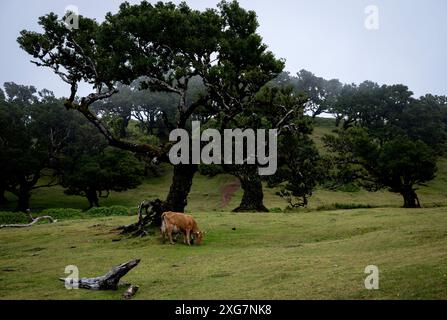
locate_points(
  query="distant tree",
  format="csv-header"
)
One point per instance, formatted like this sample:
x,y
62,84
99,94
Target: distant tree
x,y
301,168
424,119
387,138
273,108
321,93
33,129
20,94
155,113
369,105
399,164
91,169
117,110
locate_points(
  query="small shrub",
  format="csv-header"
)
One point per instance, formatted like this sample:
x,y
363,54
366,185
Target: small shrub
x,y
13,217
275,210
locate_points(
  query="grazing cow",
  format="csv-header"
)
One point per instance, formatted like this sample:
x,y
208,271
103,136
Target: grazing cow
x,y
180,222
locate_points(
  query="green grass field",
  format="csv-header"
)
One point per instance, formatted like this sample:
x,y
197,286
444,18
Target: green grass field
x,y
312,253
308,255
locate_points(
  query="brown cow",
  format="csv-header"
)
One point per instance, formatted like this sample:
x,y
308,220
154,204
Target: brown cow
x,y
180,222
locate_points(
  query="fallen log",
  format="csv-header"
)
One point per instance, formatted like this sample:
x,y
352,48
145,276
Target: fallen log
x,y
109,281
130,292
32,220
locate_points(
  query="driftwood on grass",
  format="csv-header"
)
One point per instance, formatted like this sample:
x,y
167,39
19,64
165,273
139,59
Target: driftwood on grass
x,y
109,281
32,222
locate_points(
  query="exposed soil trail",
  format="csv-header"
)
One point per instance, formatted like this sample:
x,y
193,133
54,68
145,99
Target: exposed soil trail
x,y
227,192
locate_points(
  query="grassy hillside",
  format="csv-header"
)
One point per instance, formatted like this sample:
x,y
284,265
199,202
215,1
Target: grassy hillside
x,y
206,195
206,192
310,255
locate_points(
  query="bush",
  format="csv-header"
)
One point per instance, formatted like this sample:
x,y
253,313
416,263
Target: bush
x,y
13,217
275,210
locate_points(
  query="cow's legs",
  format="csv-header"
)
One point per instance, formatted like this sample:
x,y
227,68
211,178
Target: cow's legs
x,y
163,235
188,236
170,235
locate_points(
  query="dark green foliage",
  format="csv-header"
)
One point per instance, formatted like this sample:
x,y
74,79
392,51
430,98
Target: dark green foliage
x,y
301,169
387,138
321,93
349,187
399,164
13,217
422,120
91,169
369,105
33,130
165,46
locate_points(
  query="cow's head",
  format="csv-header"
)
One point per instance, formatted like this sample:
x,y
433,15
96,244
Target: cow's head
x,y
199,237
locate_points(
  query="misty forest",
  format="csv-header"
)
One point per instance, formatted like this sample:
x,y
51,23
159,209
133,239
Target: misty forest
x,y
360,179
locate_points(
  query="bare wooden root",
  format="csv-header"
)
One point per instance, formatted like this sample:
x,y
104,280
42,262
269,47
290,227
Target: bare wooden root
x,y
130,292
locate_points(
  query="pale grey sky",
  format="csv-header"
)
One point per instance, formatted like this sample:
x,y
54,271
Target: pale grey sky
x,y
326,37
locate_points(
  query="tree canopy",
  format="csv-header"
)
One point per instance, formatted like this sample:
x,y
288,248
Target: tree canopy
x,y
166,45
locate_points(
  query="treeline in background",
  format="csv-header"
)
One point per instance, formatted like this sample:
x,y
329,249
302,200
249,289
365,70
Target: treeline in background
x,y
382,137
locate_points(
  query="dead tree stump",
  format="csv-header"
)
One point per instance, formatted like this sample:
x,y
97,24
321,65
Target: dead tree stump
x,y
152,218
109,281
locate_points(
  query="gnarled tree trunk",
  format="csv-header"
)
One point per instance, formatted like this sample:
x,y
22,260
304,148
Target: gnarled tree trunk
x,y
152,218
411,199
253,197
92,197
24,196
176,201
180,187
